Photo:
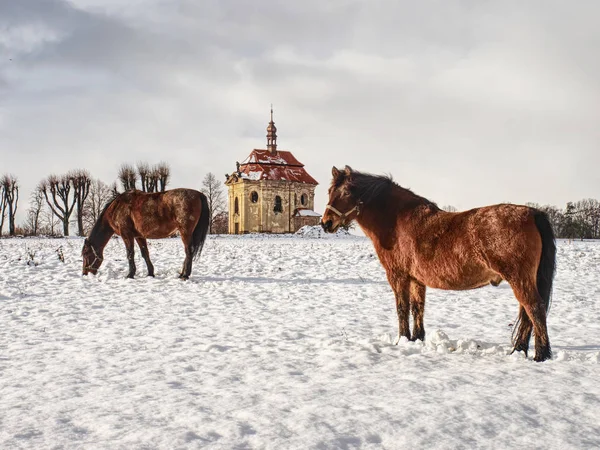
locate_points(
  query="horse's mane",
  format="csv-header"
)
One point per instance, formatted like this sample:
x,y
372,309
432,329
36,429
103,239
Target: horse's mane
x,y
377,189
98,224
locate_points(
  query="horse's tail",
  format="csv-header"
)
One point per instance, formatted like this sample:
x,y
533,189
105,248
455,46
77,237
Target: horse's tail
x,y
199,234
545,272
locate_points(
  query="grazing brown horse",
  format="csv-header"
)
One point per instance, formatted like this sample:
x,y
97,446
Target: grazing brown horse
x,y
420,245
137,216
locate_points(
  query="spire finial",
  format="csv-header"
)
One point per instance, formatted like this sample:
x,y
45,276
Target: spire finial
x,y
272,135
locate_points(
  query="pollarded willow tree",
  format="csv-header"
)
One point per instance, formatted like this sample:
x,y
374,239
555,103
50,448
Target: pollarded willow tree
x,y
127,177
58,192
9,201
81,182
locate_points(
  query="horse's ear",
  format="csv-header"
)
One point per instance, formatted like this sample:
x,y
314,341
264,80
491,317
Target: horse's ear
x,y
334,172
348,170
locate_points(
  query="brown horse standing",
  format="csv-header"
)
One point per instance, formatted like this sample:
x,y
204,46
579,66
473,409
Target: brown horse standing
x,y
420,245
137,216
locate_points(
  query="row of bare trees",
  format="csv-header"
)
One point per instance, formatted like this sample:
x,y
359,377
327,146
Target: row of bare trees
x,y
151,178
57,197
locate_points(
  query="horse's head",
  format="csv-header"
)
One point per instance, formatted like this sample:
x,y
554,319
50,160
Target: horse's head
x,y
342,207
92,258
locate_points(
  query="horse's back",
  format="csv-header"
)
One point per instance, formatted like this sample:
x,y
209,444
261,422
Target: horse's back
x,y
469,249
157,214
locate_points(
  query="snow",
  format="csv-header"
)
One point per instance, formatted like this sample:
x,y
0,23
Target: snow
x,y
254,176
282,342
308,213
317,232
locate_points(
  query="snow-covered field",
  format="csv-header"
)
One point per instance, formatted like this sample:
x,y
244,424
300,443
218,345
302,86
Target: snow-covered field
x,y
282,343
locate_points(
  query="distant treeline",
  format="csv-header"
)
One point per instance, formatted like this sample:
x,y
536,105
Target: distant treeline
x,y
579,220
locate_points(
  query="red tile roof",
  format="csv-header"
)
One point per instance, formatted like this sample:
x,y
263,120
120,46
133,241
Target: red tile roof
x,y
262,165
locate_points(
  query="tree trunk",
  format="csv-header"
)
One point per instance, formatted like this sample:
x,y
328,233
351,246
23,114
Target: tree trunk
x,y
80,223
11,220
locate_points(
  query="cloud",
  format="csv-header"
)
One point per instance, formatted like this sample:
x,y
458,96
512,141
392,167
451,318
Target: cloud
x,y
466,102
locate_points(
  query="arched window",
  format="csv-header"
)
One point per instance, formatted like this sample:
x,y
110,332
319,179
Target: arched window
x,y
304,199
254,196
236,206
278,206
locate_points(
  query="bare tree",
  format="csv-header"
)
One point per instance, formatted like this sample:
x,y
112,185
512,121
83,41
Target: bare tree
x,y
10,201
81,188
57,192
153,180
3,202
36,205
449,208
588,212
163,172
100,195
555,216
127,177
49,223
144,172
213,189
220,223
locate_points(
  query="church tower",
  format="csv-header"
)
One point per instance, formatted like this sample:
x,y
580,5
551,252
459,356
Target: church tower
x,y
272,136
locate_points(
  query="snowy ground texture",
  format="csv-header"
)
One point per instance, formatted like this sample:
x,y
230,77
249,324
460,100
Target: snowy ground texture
x,y
282,343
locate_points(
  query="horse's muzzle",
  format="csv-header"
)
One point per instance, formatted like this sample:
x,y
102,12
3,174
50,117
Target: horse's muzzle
x,y
327,226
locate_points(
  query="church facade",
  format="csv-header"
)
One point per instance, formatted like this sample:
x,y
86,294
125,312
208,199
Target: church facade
x,y
270,191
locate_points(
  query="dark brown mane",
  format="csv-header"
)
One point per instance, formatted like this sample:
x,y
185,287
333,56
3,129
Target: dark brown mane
x,y
98,225
377,189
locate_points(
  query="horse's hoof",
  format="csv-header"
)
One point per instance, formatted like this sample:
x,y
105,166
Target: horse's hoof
x,y
520,348
543,355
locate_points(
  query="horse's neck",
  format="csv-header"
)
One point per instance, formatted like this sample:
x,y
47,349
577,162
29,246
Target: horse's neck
x,y
100,236
377,226
380,222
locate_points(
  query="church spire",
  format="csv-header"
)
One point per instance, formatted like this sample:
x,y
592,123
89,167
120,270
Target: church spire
x,y
272,135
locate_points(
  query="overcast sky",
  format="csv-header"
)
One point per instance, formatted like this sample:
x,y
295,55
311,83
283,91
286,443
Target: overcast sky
x,y
466,102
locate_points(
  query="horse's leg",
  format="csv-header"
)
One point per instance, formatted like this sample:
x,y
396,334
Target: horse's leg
x,y
400,284
417,306
187,263
130,255
522,333
146,255
532,303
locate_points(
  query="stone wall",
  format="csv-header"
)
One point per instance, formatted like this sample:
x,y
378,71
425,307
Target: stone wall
x,y
256,205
